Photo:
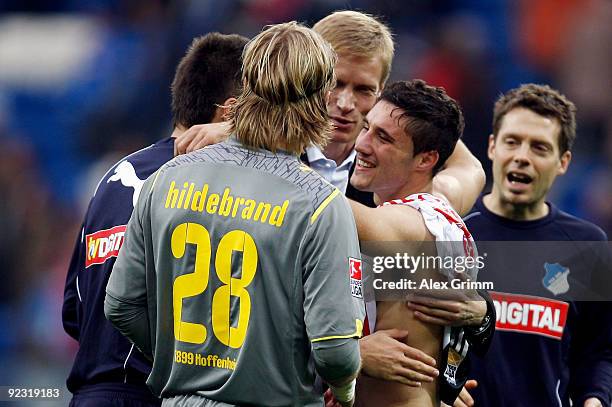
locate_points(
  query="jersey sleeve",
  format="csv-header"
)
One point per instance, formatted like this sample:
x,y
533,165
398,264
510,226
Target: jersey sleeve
x,y
333,299
71,294
126,292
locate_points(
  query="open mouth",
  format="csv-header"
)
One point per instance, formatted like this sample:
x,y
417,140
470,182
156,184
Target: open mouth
x,y
364,164
518,178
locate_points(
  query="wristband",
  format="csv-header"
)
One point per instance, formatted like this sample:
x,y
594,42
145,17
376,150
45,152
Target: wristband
x,y
488,319
344,393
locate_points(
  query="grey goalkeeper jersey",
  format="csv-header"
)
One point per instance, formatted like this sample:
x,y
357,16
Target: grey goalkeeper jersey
x,y
234,261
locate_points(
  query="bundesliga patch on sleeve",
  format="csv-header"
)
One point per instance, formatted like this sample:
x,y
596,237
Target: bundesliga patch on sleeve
x,y
355,273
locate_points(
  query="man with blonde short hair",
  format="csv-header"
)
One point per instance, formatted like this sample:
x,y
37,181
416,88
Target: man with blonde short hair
x,y
236,263
365,51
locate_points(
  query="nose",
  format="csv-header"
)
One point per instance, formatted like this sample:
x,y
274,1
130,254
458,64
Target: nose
x,y
345,100
521,155
363,143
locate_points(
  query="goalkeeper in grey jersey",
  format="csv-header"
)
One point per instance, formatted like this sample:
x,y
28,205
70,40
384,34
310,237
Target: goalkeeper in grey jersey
x,y
240,273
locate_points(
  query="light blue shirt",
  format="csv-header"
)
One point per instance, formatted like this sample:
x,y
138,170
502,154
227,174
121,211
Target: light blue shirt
x,y
337,175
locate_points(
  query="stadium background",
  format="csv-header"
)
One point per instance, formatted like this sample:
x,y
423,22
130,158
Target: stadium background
x,y
83,82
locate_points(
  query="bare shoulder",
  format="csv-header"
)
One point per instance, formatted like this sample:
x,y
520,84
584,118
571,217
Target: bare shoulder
x,y
390,223
406,223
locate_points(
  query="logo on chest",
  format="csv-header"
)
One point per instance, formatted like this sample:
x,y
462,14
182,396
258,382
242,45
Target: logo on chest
x,y
555,279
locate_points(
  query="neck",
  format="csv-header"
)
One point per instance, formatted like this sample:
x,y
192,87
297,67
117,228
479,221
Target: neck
x,y
178,130
415,186
338,151
496,204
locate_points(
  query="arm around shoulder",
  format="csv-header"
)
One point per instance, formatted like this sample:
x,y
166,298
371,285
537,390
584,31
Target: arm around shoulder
x,y
461,179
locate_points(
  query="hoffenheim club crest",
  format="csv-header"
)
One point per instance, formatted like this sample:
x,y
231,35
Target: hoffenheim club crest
x,y
555,279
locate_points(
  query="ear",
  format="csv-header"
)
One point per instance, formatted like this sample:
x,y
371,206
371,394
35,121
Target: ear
x,y
222,110
491,148
564,162
427,160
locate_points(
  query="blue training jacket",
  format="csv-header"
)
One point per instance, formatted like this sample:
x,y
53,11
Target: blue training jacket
x,y
105,359
548,347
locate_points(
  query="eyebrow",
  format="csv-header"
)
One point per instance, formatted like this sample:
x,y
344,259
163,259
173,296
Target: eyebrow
x,y
365,86
380,129
544,143
516,135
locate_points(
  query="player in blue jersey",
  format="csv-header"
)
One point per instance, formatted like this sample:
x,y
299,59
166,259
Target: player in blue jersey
x,y
108,370
550,349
